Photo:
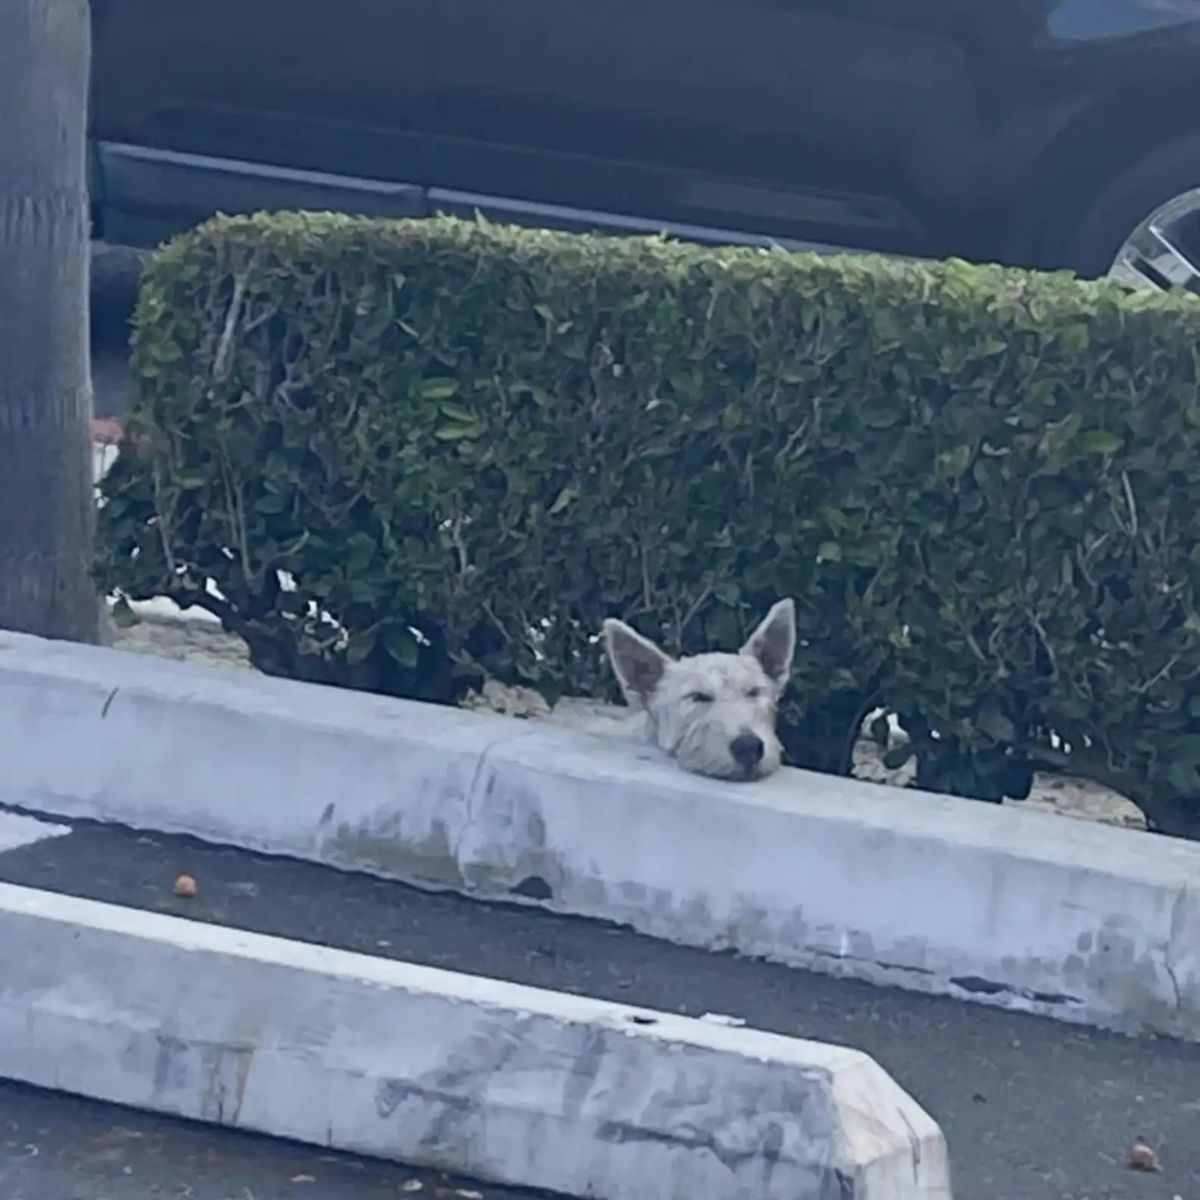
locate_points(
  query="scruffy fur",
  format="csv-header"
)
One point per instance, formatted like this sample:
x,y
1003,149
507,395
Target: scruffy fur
x,y
713,713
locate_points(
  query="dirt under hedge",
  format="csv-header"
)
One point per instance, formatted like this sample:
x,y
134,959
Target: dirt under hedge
x,y
468,445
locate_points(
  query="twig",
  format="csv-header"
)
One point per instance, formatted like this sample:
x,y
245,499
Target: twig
x,y
221,358
693,609
1157,677
1133,513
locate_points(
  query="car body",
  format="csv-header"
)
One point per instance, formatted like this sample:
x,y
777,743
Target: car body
x,y
1047,133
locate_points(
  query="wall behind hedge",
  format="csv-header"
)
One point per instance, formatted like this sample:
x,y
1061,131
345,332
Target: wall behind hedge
x,y
979,484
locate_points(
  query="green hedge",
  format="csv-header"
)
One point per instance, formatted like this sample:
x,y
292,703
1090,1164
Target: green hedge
x,y
980,485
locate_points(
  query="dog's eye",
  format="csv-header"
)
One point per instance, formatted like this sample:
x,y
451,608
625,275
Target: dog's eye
x,y
754,693
700,698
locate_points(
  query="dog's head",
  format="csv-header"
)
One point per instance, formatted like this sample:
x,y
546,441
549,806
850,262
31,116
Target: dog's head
x,y
713,713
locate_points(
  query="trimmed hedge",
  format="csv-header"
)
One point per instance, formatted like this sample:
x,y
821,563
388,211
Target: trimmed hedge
x,y
980,484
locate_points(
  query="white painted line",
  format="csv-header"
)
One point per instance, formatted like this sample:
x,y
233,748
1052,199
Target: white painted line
x,y
17,831
456,1072
928,892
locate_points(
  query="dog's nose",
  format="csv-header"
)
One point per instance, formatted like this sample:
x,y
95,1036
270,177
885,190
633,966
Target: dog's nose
x,y
747,750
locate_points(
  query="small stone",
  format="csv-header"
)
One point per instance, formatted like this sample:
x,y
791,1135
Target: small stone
x,y
1142,1157
411,1185
185,886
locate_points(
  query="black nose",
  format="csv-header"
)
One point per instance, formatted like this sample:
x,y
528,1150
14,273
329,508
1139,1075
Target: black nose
x,y
747,750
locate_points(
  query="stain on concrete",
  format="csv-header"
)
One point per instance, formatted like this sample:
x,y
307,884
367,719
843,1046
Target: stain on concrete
x,y
226,1069
170,1066
383,846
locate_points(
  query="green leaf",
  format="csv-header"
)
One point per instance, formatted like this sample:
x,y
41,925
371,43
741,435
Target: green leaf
x,y
458,432
564,498
952,463
991,721
403,647
1183,778
360,646
456,412
1075,338
360,551
270,504
437,388
1098,441
837,520
122,614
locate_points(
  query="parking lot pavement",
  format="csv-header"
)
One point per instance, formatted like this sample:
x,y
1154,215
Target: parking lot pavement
x,y
56,1147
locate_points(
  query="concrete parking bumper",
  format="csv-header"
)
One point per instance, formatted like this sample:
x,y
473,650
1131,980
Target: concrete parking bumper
x,y
1021,909
506,1083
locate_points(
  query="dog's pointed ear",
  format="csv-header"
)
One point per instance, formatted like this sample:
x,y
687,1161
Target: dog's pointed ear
x,y
773,643
638,663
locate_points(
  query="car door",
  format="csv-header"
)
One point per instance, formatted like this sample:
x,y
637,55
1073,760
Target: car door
x,y
236,104
796,118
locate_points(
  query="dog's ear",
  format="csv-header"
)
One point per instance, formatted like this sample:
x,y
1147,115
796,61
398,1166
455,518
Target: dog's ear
x,y
773,643
639,664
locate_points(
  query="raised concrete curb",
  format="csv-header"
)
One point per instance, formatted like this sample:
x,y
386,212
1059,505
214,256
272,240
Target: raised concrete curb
x,y
985,902
456,1072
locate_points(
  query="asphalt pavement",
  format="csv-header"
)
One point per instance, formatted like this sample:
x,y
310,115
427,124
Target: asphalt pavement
x,y
1032,1109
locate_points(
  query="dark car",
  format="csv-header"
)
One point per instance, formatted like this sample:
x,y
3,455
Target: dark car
x,y
1048,133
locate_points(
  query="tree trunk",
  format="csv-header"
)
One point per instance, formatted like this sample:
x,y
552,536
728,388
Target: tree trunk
x,y
47,507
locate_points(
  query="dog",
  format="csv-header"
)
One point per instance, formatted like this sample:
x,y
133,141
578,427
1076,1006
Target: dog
x,y
714,714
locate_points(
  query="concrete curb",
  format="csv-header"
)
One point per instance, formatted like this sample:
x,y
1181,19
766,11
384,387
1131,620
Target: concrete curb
x,y
988,903
456,1072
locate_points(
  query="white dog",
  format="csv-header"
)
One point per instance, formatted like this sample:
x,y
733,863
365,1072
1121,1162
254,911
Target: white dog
x,y
713,713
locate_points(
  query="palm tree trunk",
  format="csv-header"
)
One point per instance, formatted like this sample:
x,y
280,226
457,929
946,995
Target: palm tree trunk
x,y
47,508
